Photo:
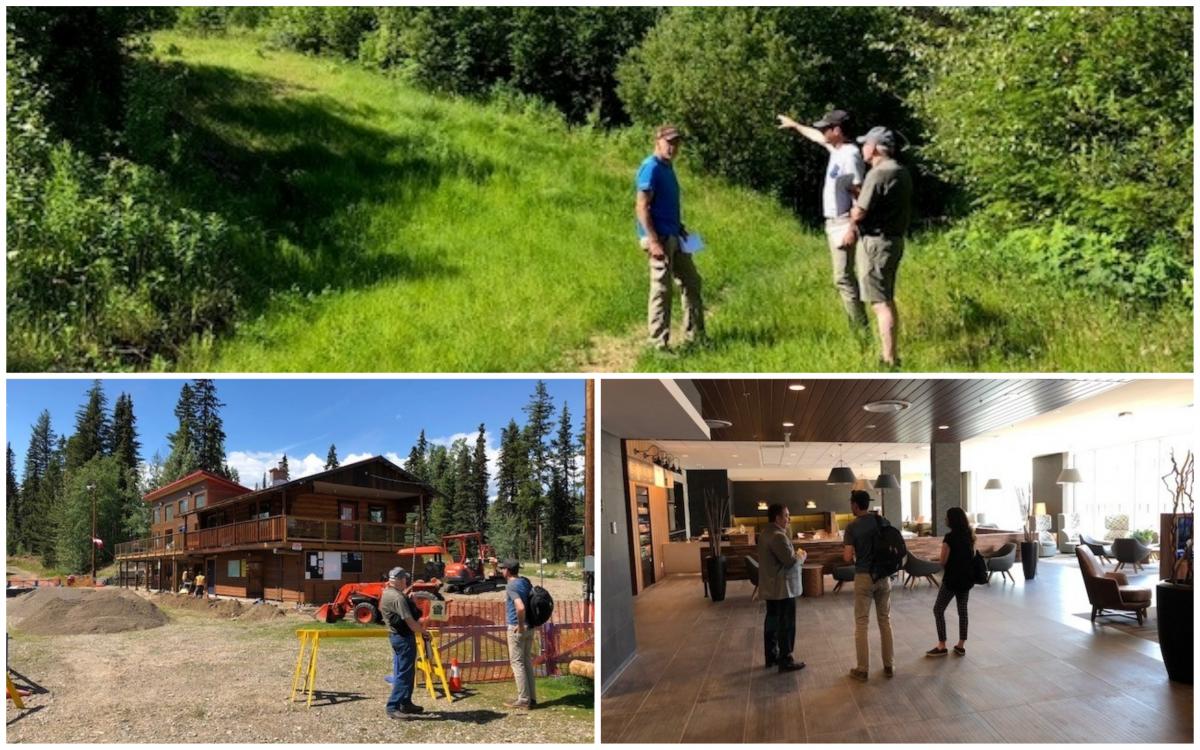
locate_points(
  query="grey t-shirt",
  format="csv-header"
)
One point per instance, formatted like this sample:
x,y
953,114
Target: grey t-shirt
x,y
845,170
858,535
886,197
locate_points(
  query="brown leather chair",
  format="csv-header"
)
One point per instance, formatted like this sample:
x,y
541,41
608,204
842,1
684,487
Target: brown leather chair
x,y
1111,591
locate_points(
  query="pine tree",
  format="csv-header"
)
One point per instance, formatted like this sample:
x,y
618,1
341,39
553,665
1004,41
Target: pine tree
x,y
283,464
418,459
125,446
463,509
561,512
93,431
209,432
12,501
331,460
32,518
51,502
479,481
441,478
508,467
73,544
183,458
531,503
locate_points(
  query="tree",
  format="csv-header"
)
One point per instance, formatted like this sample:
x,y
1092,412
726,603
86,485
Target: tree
x,y
331,459
441,478
417,463
183,458
73,546
50,503
504,533
463,518
509,467
208,432
479,481
125,444
564,498
33,518
93,430
12,502
283,464
531,495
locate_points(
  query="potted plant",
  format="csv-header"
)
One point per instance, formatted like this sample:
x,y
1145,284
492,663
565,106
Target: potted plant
x,y
1176,619
716,511
1029,547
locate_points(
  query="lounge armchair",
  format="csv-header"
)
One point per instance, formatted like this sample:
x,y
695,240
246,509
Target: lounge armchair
x,y
1130,552
1111,591
1098,548
918,568
1068,528
843,575
1001,561
1047,544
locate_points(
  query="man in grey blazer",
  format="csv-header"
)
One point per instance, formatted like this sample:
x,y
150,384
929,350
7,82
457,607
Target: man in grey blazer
x,y
779,585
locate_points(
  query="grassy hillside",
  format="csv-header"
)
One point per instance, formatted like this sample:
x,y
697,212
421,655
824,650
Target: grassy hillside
x,y
398,231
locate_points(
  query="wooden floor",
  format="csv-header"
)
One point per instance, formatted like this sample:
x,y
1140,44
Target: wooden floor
x,y
1034,671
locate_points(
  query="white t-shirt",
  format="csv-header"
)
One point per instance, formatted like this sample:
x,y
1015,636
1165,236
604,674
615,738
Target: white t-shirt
x,y
845,170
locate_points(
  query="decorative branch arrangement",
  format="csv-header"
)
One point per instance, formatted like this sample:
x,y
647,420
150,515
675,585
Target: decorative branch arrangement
x,y
716,511
1179,481
1025,503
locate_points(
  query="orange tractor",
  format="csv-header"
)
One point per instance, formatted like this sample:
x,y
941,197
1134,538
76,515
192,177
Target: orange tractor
x,y
431,566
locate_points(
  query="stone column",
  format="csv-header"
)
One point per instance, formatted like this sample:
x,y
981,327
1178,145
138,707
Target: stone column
x,y
945,467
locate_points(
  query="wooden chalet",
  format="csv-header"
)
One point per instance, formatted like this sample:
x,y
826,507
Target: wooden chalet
x,y
294,541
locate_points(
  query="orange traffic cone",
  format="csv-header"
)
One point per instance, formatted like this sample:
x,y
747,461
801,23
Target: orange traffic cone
x,y
456,685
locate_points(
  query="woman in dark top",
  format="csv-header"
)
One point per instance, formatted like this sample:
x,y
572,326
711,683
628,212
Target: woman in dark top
x,y
958,552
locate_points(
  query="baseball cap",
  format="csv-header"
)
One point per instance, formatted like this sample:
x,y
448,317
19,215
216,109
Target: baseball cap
x,y
397,573
510,564
879,135
832,118
670,132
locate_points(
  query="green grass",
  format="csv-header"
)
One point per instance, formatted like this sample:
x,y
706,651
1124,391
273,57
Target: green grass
x,y
384,229
35,566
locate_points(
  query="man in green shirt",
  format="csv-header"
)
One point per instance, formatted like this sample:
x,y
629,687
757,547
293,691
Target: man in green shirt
x,y
403,621
879,220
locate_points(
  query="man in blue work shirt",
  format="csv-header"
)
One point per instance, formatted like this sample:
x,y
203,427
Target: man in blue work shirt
x,y
520,636
401,616
661,233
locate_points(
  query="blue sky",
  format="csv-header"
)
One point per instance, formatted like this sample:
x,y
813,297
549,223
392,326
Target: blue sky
x,y
267,418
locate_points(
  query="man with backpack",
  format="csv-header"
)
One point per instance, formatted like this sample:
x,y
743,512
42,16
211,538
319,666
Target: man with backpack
x,y
877,550
517,600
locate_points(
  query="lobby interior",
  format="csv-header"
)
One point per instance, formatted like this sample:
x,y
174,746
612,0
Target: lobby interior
x,y
1088,457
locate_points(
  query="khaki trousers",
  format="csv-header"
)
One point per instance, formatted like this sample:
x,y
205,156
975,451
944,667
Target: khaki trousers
x,y
679,265
520,656
844,277
865,592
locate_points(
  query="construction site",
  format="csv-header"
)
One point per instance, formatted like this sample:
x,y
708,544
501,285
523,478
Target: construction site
x,y
114,664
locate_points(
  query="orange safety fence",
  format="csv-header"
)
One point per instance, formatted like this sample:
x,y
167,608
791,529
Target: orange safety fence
x,y
476,635
34,583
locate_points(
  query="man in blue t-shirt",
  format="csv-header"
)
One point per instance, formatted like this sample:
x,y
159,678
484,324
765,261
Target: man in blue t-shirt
x,y
520,637
661,233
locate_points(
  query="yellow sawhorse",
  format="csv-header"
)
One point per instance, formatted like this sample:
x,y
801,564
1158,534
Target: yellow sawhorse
x,y
14,693
305,675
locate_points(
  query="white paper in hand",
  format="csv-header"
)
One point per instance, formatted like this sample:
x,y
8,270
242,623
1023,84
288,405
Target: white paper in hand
x,y
692,244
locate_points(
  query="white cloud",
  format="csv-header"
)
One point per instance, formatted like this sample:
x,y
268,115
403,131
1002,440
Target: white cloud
x,y
251,465
492,451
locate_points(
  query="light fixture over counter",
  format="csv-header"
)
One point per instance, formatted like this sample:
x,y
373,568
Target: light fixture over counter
x,y
840,474
993,484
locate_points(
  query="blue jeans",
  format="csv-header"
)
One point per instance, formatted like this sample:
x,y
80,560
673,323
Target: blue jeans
x,y
405,649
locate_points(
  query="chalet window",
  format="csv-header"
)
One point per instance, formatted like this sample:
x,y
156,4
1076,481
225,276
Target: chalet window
x,y
351,562
237,568
170,511
183,506
377,514
157,514
200,499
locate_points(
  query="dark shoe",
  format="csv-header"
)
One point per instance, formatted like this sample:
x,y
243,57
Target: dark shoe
x,y
936,652
398,715
521,705
770,663
889,671
960,651
859,674
791,666
533,705
411,709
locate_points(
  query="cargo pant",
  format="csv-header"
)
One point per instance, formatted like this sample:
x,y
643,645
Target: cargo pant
x,y
520,656
679,265
844,277
867,591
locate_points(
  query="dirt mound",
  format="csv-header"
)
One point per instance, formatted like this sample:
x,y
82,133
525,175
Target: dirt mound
x,y
225,609
70,611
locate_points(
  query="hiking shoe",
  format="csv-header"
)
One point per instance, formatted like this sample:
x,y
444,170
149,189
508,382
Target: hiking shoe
x,y
791,666
936,652
960,651
521,705
398,715
411,709
859,674
889,671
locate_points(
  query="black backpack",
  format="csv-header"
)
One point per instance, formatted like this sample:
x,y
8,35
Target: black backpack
x,y
888,551
979,570
541,606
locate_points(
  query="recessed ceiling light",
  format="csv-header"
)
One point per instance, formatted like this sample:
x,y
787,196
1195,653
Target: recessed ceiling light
x,y
943,427
796,387
887,406
736,455
684,455
870,427
718,424
789,424
1125,414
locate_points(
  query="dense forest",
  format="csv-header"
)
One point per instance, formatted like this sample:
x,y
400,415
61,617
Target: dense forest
x,y
537,508
1056,141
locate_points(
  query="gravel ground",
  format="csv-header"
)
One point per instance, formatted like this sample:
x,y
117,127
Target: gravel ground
x,y
203,679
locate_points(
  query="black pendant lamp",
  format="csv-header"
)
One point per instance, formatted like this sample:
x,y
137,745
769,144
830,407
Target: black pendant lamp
x,y
840,474
886,481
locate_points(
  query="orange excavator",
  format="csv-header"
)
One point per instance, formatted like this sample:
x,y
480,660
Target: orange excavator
x,y
466,574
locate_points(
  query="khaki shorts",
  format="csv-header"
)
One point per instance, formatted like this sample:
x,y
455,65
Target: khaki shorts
x,y
878,260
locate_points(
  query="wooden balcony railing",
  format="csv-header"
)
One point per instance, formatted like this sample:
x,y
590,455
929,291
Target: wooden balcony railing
x,y
273,529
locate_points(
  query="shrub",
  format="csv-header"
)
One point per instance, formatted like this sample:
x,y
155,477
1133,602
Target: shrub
x,y
203,19
460,50
1078,120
